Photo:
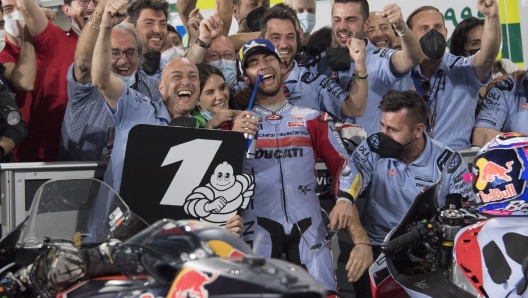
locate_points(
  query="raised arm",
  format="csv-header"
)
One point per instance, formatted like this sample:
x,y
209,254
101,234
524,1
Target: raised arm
x,y
110,86
210,28
411,53
35,19
224,10
82,69
22,73
491,39
355,104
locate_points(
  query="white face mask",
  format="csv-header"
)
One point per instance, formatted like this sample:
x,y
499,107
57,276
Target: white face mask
x,y
14,24
228,69
172,53
307,21
2,39
129,80
75,27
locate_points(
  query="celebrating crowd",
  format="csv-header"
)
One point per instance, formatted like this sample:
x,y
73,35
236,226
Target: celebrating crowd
x,y
380,72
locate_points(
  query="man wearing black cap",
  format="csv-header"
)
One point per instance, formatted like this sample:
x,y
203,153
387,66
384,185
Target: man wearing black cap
x,y
285,215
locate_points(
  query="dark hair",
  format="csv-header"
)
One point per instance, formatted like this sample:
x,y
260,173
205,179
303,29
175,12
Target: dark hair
x,y
394,101
280,11
364,7
205,71
459,36
420,9
135,8
319,41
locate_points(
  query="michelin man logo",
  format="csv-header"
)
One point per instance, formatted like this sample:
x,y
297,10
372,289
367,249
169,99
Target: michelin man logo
x,y
220,199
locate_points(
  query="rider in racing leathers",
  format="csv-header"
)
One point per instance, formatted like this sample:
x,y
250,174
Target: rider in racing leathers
x,y
285,215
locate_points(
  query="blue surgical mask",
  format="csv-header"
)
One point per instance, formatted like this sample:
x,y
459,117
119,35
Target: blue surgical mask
x,y
228,69
129,80
307,21
206,114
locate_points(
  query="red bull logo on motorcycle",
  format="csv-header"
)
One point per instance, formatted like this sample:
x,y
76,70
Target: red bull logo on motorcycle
x,y
489,171
190,284
497,194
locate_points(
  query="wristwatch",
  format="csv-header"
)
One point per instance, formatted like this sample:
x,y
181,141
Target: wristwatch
x,y
202,43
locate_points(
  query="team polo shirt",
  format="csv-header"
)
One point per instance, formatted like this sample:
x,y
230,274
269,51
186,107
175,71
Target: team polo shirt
x,y
505,108
456,100
391,185
132,108
315,91
381,79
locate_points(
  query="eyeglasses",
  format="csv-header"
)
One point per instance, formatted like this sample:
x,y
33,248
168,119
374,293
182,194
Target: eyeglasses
x,y
327,238
129,53
217,56
85,3
425,86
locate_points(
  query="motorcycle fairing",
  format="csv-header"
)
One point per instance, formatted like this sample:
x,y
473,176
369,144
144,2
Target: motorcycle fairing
x,y
494,230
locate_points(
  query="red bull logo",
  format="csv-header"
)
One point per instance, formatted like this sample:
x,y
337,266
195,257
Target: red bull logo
x,y
190,284
492,171
497,194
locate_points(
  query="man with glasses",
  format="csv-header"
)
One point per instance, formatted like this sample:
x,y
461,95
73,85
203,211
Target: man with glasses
x,y
450,84
285,214
222,55
399,162
85,129
54,49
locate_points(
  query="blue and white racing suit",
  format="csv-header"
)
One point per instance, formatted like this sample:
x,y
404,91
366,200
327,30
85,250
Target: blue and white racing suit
x,y
290,141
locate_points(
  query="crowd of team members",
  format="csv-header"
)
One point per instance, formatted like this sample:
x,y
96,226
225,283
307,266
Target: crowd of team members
x,y
386,78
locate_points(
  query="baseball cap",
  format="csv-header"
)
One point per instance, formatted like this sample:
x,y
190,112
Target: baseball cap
x,y
256,45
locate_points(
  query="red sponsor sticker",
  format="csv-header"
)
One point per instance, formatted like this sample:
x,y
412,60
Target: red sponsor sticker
x,y
295,123
273,117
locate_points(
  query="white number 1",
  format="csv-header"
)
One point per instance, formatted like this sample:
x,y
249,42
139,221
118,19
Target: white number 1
x,y
196,156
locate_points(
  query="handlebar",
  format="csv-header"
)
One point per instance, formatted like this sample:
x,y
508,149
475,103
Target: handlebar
x,y
400,241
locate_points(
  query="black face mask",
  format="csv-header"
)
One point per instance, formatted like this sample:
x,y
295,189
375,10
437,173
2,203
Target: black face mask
x,y
389,147
433,45
473,52
338,58
151,63
253,19
525,86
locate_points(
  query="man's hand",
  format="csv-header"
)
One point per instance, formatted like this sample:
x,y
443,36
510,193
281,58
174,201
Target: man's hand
x,y
235,225
115,12
210,28
488,8
341,216
360,259
222,116
195,18
392,13
50,14
244,124
357,49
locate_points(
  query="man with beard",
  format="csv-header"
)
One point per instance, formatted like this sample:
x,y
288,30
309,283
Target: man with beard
x,y
399,162
54,50
384,66
149,17
248,14
450,84
285,215
379,31
311,89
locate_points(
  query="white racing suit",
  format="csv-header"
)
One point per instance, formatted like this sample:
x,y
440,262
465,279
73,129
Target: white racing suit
x,y
290,142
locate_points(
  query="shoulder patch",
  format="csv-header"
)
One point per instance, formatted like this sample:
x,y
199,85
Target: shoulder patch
x,y
324,117
313,61
373,142
455,163
506,85
309,77
442,158
385,53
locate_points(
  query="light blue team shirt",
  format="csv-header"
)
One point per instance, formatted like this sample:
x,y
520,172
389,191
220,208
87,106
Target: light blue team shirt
x,y
393,185
381,79
505,108
132,108
456,99
84,132
315,91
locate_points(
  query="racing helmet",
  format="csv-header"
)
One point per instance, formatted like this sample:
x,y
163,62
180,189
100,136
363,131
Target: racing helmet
x,y
501,176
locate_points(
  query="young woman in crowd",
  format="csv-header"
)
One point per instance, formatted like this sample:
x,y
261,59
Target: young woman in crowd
x,y
213,110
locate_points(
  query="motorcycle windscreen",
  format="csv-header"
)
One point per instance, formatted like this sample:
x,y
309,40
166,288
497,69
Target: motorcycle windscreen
x,y
79,210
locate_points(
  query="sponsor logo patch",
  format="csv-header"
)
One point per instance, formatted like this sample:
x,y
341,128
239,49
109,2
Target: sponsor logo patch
x,y
496,194
295,124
